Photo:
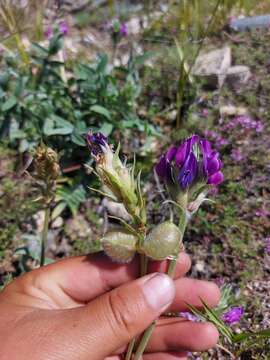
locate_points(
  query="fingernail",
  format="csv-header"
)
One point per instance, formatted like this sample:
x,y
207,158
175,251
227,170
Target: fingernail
x,y
159,291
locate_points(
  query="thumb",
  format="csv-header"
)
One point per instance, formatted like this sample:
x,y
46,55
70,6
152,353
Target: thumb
x,y
113,319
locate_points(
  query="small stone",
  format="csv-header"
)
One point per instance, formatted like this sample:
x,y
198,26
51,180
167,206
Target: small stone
x,y
231,110
78,228
57,223
213,66
238,75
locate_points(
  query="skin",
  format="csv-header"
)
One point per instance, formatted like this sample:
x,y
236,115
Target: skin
x,y
90,308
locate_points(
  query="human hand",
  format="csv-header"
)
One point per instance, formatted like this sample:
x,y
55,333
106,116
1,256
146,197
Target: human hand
x,y
87,307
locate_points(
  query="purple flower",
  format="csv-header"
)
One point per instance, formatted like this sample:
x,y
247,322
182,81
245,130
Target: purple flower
x,y
205,113
236,155
48,33
193,161
233,315
63,28
96,142
123,29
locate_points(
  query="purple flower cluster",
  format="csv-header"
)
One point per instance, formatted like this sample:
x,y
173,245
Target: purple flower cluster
x,y
237,155
96,142
233,315
191,162
267,245
244,121
218,139
63,29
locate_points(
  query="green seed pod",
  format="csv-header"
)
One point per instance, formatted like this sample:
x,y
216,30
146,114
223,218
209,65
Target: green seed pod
x,y
163,242
119,245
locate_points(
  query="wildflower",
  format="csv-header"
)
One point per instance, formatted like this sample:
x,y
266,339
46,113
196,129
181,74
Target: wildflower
x,y
205,113
193,161
123,29
189,171
63,28
233,315
48,33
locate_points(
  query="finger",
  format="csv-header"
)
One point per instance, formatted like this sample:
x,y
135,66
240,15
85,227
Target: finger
x,y
191,291
112,320
76,281
176,334
166,356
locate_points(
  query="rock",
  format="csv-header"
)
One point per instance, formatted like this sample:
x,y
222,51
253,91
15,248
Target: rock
x,y
39,218
78,228
248,23
116,209
213,66
238,75
231,110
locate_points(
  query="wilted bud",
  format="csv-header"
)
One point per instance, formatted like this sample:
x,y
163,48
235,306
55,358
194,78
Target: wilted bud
x,y
113,173
163,242
120,245
46,164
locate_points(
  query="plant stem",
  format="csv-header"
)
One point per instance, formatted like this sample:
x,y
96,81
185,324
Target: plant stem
x,y
143,271
44,235
146,336
130,349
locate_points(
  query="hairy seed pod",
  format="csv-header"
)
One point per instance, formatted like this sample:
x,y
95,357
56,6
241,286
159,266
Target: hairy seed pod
x,y
163,242
119,245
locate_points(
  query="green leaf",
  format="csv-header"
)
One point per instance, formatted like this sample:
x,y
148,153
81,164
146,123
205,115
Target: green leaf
x,y
101,111
106,129
245,335
55,125
9,104
58,210
77,139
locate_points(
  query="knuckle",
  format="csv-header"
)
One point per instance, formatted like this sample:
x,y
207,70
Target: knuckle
x,y
122,313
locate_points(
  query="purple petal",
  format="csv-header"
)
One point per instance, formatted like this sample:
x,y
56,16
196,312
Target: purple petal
x,y
123,30
180,156
233,315
205,147
188,172
48,33
213,164
170,154
63,27
216,179
161,167
96,141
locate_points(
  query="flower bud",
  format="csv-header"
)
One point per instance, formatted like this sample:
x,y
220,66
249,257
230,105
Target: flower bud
x,y
119,245
163,242
46,164
113,173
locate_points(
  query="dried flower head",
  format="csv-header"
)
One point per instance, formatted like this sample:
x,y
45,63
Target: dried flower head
x,y
46,164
